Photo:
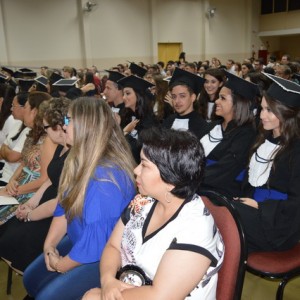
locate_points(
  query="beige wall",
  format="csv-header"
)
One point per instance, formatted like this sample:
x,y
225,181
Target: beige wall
x,y
59,32
281,32
41,32
280,21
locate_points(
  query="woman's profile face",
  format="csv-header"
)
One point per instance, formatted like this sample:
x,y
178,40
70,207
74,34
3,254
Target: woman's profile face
x,y
211,85
224,104
129,98
56,134
268,119
29,115
148,179
244,70
17,110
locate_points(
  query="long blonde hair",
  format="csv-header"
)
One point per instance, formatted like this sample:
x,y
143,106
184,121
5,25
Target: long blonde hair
x,y
97,140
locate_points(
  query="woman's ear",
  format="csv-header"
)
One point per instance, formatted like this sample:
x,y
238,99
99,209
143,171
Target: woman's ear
x,y
193,96
170,187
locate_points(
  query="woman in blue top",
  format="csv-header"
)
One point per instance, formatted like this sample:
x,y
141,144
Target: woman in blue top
x,y
96,185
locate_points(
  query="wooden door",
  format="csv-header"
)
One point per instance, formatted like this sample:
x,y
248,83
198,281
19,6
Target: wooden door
x,y
169,51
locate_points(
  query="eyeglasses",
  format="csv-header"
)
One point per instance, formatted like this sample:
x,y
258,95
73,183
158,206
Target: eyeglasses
x,y
46,127
67,120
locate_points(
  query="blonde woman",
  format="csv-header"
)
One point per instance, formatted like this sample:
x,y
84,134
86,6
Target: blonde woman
x,y
96,185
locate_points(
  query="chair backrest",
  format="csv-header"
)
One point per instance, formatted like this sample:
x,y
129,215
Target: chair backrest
x,y
232,273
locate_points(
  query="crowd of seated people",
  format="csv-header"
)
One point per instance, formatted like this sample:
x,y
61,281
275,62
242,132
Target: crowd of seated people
x,y
78,145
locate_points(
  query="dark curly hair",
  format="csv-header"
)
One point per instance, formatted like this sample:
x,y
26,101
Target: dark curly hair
x,y
54,110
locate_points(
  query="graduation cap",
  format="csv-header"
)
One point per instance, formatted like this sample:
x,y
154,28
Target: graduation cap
x,y
7,70
65,84
41,83
285,91
3,78
25,84
242,87
55,77
24,73
74,93
114,75
136,83
182,77
137,70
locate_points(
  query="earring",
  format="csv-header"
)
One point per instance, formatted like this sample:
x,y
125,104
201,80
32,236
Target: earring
x,y
166,197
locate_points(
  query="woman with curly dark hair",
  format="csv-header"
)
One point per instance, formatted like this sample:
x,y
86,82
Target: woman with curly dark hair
x,y
37,153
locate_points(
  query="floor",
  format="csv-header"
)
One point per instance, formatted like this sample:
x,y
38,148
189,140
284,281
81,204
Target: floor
x,y
255,288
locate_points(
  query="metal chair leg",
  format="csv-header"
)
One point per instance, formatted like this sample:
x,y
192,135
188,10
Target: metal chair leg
x,y
280,290
9,281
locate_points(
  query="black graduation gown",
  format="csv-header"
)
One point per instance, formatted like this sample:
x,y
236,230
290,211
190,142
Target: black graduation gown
x,y
231,156
197,125
145,123
279,220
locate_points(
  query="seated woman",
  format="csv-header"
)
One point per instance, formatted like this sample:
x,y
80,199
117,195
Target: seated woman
x,y
31,224
138,113
37,152
166,240
11,148
270,207
7,121
96,184
89,88
161,108
214,80
227,142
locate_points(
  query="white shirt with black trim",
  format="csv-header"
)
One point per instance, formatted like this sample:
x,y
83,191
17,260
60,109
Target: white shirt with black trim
x,y
191,228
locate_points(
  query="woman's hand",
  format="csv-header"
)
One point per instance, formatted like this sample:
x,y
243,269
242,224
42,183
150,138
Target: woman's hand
x,y
168,99
111,289
117,117
129,127
12,188
93,294
51,258
3,192
22,212
247,201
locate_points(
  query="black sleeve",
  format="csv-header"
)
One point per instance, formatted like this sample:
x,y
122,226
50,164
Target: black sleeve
x,y
231,156
281,219
125,216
